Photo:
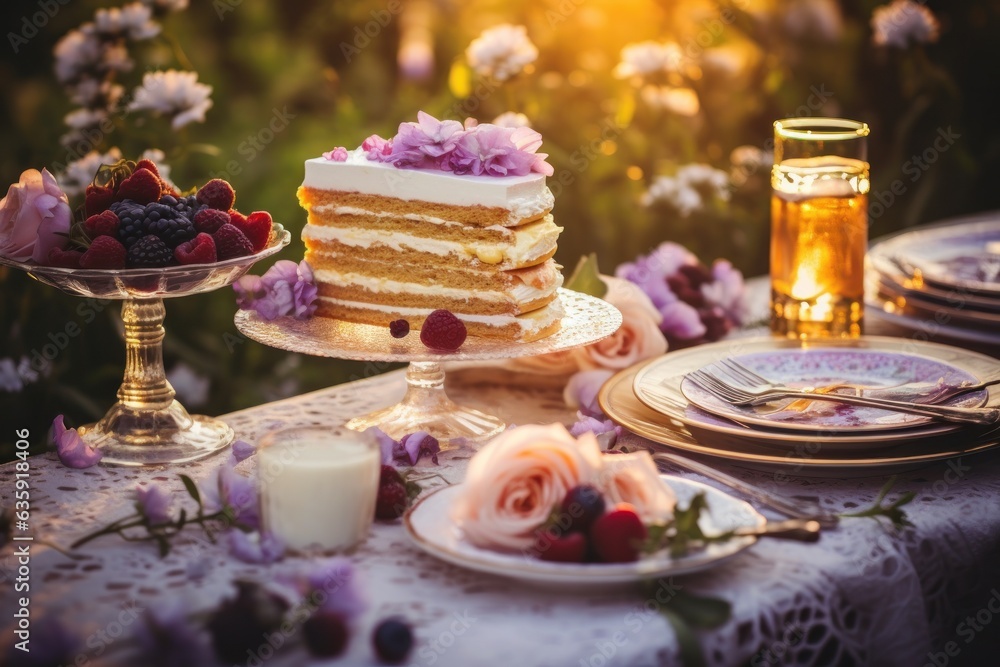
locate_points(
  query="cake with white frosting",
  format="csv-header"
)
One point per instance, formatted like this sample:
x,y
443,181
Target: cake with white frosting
x,y
440,216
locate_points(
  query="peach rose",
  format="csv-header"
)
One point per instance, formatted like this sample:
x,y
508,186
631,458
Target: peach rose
x,y
633,479
515,480
34,217
638,338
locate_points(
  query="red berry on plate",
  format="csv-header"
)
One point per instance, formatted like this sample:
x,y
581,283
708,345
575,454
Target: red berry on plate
x,y
617,536
199,250
392,501
399,328
209,220
257,228
102,224
142,187
217,194
569,548
148,165
98,199
583,505
104,252
326,634
68,259
231,242
443,331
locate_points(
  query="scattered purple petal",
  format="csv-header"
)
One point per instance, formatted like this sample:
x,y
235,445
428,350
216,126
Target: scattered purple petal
x,y
228,488
72,450
332,585
418,444
154,504
582,389
242,450
286,288
167,638
260,548
595,425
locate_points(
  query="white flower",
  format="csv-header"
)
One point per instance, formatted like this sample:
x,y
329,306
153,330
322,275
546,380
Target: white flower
x,y
175,94
903,23
746,161
94,93
682,101
705,178
688,189
115,58
646,58
511,119
191,387
164,6
815,18
80,174
76,53
134,21
501,52
81,118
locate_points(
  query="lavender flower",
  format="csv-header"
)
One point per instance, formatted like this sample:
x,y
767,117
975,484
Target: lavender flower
x,y
286,288
377,149
260,548
597,426
72,450
330,585
420,145
167,638
492,150
242,450
407,450
153,504
338,154
226,488
582,389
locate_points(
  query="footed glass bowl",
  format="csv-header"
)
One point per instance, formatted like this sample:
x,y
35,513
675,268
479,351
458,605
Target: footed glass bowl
x,y
148,426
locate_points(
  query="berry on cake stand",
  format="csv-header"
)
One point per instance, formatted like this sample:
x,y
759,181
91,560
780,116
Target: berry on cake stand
x,y
426,406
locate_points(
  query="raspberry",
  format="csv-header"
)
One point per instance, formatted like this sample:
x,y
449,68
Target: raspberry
x,y
102,224
149,252
236,217
399,328
443,331
209,220
257,228
389,475
199,250
98,199
231,242
142,187
570,548
617,536
105,252
326,634
583,504
392,640
149,165
69,259
391,502
217,194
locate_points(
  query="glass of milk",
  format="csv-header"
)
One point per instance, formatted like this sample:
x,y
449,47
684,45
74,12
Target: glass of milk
x,y
318,487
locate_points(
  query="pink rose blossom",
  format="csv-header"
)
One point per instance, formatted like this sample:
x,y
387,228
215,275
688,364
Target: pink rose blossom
x,y
34,217
639,336
633,479
338,154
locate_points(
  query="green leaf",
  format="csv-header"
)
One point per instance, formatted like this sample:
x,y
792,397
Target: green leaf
x,y
691,653
586,278
192,489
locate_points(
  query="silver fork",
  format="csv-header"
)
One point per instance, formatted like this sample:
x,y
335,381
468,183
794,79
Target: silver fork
x,y
752,378
725,389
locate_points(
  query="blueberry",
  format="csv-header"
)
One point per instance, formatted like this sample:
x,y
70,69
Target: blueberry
x,y
393,640
399,328
583,505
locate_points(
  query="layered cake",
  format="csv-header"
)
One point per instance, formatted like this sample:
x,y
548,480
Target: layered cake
x,y
441,216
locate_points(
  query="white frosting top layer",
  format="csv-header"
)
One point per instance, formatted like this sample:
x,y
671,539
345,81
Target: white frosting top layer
x,y
525,196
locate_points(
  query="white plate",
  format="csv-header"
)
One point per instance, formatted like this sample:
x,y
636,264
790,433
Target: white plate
x,y
430,526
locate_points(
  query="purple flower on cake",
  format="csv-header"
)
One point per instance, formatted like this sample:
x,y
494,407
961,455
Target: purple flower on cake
x,y
286,288
421,145
153,504
492,150
377,149
338,154
697,304
260,548
73,452
34,217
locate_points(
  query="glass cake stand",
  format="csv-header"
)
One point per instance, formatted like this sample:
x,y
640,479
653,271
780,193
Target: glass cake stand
x,y
426,406
148,426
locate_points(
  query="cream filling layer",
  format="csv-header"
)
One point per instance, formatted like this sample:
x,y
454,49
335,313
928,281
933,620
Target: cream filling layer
x,y
533,321
520,294
530,242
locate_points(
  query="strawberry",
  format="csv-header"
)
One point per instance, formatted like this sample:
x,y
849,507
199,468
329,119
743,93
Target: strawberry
x,y
217,194
389,475
104,252
142,187
617,536
231,242
69,259
209,220
102,224
99,198
257,228
570,548
199,250
392,501
149,165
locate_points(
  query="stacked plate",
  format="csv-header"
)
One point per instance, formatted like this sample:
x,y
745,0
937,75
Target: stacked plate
x,y
944,280
658,401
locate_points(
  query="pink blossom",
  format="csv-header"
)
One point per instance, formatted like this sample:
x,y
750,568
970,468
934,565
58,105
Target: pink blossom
x,y
582,389
34,217
377,149
338,154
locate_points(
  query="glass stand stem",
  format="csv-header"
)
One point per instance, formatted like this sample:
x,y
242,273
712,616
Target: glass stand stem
x,y
145,385
426,407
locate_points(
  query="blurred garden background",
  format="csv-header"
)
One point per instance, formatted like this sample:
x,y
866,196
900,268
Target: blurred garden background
x,y
656,115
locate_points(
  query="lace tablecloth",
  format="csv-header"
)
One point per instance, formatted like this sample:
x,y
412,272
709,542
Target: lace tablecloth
x,y
862,595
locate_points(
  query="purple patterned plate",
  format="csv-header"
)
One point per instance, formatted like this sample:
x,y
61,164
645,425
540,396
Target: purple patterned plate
x,y
863,369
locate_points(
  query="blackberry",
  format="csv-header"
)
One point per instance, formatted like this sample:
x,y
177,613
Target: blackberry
x,y
185,206
132,221
149,252
165,222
